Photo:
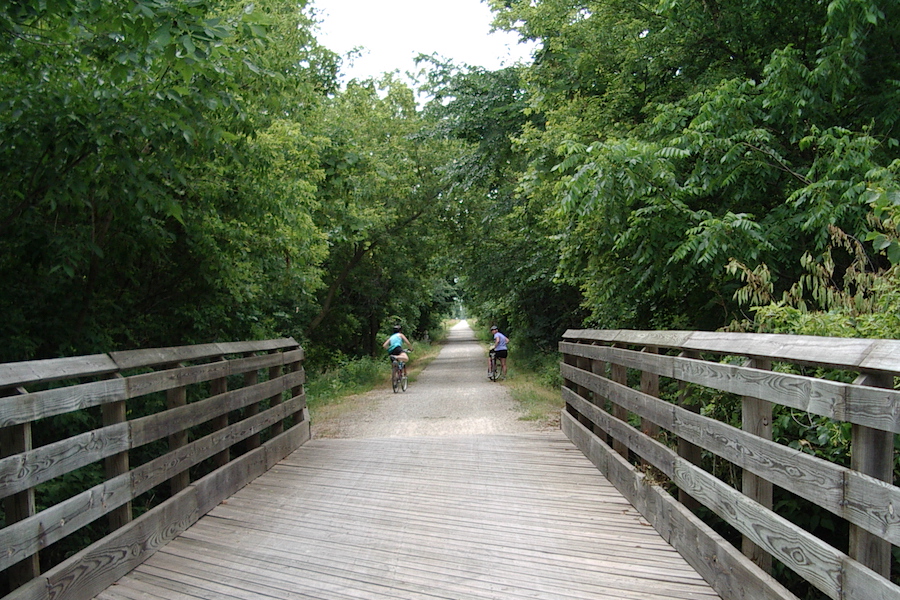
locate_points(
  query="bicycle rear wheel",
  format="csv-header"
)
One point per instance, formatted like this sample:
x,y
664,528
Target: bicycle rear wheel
x,y
395,379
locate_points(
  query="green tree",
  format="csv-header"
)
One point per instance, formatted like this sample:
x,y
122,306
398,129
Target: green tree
x,y
504,244
698,132
116,117
378,207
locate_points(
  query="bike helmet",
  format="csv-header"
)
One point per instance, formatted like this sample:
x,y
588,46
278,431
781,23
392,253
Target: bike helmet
x,y
397,328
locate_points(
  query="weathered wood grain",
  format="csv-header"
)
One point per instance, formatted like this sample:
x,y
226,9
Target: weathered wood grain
x,y
458,517
133,359
731,574
40,405
54,369
843,353
98,566
158,470
860,499
31,468
25,538
153,427
807,555
864,405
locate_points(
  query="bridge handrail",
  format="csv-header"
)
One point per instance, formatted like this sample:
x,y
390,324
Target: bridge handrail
x,y
600,369
234,408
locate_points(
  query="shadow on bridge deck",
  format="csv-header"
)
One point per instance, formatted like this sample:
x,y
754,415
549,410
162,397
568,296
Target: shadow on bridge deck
x,y
458,517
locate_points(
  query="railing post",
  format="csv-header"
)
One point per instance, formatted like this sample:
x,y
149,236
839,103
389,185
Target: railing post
x,y
650,386
585,365
599,367
220,386
872,453
14,440
274,373
117,464
690,452
756,418
175,398
251,378
297,390
619,374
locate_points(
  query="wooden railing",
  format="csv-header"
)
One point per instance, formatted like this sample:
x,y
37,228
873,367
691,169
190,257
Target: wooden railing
x,y
650,444
224,413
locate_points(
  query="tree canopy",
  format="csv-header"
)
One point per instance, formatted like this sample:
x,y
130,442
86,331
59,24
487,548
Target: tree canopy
x,y
180,171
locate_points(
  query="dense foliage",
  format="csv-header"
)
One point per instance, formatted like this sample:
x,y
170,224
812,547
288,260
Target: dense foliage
x,y
682,137
183,171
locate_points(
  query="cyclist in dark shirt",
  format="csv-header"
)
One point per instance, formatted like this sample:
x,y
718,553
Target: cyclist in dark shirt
x,y
500,348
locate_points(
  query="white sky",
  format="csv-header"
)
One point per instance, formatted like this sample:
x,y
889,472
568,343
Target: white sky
x,y
394,32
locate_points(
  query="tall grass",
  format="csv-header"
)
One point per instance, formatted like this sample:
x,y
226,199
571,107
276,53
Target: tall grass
x,y
534,382
350,376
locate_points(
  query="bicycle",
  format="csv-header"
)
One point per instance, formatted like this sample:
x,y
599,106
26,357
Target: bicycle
x,y
494,372
399,380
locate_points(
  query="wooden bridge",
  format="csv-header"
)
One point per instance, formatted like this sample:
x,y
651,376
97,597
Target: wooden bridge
x,y
198,463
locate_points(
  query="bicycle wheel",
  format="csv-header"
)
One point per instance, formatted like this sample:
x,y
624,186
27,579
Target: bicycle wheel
x,y
404,383
395,379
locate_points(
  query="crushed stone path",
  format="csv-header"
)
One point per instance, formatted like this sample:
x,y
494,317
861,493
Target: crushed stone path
x,y
452,396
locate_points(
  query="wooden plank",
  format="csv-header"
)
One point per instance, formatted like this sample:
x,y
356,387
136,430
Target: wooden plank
x,y
468,517
843,353
863,405
732,575
20,506
619,374
27,372
98,566
663,339
177,398
756,420
160,469
52,524
808,556
805,554
95,568
159,381
40,405
28,469
860,499
872,453
132,359
26,537
160,425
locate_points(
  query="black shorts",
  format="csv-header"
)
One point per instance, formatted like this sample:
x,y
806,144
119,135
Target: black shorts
x,y
396,351
500,353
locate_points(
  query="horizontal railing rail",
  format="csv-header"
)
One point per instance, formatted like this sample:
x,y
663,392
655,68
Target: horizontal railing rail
x,y
108,435
633,406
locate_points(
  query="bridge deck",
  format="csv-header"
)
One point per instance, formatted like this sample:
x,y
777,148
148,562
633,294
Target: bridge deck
x,y
493,516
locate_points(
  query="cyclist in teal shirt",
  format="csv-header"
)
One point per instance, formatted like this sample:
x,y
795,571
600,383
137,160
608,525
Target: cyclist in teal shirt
x,y
395,344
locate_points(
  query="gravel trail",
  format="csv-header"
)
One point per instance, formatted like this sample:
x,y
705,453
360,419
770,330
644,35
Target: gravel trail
x,y
452,396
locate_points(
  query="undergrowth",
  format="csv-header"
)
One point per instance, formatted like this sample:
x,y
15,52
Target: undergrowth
x,y
350,376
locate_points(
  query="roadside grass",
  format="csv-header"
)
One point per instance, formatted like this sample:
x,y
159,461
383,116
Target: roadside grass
x,y
534,382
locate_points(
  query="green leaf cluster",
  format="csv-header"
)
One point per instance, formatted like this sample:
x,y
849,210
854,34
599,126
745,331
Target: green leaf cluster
x,y
678,137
